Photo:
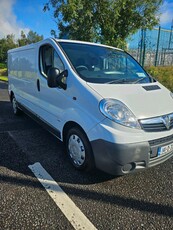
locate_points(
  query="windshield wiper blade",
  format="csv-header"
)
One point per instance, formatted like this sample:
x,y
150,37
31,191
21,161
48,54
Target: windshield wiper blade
x,y
139,80
116,81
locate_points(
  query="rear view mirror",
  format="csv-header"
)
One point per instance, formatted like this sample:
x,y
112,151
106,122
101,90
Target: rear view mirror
x,y
52,75
56,79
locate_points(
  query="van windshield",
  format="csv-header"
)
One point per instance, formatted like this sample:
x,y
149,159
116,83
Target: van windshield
x,y
99,64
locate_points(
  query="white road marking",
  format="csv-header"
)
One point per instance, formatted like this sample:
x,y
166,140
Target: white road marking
x,y
77,219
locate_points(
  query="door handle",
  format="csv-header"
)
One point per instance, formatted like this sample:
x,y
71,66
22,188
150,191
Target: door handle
x,y
38,84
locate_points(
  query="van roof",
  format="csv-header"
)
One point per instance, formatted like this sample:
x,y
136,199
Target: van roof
x,y
59,41
30,46
84,42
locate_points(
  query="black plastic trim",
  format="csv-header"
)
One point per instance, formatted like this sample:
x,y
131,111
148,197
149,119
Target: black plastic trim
x,y
113,158
120,159
151,87
162,140
155,144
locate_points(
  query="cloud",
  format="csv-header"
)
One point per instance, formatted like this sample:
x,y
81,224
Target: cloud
x,y
166,16
8,20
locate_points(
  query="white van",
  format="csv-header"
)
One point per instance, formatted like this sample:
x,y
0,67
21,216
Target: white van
x,y
97,99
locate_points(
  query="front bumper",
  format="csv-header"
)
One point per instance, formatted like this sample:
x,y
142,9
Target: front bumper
x,y
120,159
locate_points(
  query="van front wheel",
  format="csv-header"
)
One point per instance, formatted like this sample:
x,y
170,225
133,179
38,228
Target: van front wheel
x,y
79,149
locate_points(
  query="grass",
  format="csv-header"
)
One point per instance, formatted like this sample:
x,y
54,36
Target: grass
x,y
3,74
3,78
164,74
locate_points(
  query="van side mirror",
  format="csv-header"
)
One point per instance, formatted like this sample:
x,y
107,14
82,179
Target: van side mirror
x,y
56,79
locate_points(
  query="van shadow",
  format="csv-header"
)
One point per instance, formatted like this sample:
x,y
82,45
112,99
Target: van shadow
x,y
24,142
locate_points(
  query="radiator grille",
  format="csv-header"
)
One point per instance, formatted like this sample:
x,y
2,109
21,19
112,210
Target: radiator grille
x,y
157,124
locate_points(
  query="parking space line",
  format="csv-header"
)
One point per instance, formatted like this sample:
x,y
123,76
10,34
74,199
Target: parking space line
x,y
77,219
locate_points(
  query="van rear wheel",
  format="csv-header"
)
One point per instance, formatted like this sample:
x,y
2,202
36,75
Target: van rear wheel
x,y
16,109
79,149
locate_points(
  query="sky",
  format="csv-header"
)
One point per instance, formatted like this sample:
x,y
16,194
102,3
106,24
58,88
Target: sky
x,y
17,15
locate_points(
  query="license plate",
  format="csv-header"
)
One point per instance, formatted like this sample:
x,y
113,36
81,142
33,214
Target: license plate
x,y
165,149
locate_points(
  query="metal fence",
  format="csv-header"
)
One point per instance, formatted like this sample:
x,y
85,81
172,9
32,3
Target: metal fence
x,y
152,47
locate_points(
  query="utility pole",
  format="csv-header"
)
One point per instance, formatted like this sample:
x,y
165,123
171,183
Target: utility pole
x,y
142,47
157,49
170,37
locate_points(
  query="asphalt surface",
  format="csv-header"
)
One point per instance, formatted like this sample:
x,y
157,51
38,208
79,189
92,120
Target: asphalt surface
x,y
139,201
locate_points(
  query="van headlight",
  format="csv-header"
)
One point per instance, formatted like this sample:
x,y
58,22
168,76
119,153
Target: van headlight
x,y
118,112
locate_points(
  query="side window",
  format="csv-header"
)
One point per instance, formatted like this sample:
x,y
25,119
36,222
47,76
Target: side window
x,y
49,58
57,63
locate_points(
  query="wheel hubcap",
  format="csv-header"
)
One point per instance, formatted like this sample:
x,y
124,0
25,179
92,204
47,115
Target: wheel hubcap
x,y
76,150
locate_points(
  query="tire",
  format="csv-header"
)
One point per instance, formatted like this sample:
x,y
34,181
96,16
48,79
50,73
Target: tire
x,y
16,109
79,149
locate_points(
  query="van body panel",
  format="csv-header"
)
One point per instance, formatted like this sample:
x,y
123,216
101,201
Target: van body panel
x,y
22,73
115,133
157,102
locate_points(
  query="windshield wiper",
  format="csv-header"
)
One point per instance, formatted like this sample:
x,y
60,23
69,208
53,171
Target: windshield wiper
x,y
139,80
116,81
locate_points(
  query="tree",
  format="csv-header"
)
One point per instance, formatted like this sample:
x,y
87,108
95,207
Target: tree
x,y
6,44
106,21
31,37
9,42
22,41
53,33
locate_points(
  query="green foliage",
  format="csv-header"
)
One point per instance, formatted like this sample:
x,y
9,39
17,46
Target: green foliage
x,y
22,41
106,21
3,66
9,42
6,44
164,74
3,78
31,37
3,73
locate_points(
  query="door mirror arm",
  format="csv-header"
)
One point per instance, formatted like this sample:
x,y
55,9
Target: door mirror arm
x,y
57,79
61,79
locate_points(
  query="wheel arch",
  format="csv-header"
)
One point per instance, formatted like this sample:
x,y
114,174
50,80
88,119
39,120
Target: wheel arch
x,y
68,126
